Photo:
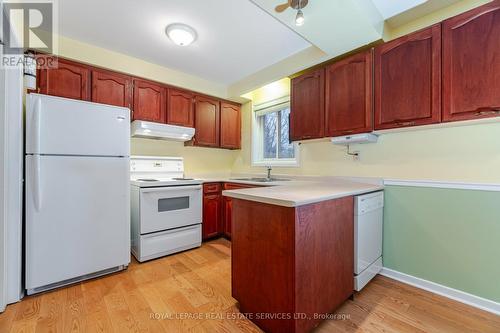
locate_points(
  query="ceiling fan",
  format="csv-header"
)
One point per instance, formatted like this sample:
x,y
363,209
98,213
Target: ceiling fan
x,y
295,4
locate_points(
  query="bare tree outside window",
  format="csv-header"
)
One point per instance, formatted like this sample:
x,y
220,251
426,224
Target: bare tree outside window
x,y
270,126
275,141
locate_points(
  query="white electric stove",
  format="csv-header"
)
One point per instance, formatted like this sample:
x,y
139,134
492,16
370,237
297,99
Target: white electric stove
x,y
166,208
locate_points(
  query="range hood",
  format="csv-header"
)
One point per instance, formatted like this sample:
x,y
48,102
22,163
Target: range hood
x,y
355,138
146,129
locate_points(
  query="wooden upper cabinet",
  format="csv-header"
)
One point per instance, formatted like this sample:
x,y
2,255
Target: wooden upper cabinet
x,y
307,112
408,80
111,88
149,101
180,109
349,95
207,121
70,79
230,125
471,64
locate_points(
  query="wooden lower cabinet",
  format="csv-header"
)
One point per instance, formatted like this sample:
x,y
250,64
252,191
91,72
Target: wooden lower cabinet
x,y
217,209
212,210
211,215
228,208
292,261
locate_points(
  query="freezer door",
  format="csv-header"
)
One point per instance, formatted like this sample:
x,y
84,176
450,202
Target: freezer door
x,y
77,217
62,126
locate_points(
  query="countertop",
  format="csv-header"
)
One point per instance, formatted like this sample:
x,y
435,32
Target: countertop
x,y
295,193
250,182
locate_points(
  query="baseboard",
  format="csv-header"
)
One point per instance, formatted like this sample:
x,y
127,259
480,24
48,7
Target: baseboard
x,y
454,294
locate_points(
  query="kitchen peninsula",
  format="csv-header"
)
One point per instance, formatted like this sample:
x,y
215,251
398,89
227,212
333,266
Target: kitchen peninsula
x,y
293,251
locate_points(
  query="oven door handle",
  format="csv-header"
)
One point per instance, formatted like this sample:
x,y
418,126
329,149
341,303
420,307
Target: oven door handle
x,y
170,188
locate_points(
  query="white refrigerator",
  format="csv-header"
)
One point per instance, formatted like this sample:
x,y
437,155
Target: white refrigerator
x,y
77,191
11,183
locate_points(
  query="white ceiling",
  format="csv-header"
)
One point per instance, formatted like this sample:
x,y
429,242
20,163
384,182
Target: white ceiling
x,y
334,26
235,37
390,8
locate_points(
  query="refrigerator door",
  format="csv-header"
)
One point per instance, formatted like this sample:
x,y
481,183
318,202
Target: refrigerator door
x,y
77,217
62,126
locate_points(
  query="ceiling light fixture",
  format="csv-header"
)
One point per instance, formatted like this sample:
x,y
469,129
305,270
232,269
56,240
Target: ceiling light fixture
x,y
181,34
299,19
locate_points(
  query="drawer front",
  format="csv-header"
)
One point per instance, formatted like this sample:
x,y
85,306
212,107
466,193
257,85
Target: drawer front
x,y
235,186
168,242
211,188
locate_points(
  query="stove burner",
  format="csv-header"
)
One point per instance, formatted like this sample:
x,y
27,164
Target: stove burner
x,y
147,180
183,178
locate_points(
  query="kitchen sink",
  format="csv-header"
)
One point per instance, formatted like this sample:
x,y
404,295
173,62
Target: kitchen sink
x,y
261,179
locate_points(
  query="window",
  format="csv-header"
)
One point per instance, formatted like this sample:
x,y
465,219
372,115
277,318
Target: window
x,y
271,143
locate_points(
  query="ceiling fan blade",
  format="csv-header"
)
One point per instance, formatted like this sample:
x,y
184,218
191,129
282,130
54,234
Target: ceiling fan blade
x,y
282,7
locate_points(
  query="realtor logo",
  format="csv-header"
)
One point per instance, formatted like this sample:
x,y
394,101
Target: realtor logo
x,y
28,25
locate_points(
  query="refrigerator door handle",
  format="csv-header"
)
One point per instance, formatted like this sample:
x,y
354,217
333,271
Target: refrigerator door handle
x,y
37,186
37,125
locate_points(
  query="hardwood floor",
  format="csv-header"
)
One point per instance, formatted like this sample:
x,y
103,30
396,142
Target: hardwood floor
x,y
190,292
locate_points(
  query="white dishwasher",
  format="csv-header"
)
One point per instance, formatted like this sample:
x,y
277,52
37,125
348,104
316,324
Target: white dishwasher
x,y
368,227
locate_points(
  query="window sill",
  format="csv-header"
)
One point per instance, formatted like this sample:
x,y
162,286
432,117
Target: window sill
x,y
276,163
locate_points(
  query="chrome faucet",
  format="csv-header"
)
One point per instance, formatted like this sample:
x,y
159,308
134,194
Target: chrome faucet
x,y
269,168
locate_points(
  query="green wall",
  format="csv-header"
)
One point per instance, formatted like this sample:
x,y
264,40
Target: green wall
x,y
447,236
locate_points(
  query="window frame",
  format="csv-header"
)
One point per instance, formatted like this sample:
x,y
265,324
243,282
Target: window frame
x,y
257,137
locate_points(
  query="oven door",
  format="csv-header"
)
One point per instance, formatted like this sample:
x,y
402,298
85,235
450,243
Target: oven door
x,y
164,208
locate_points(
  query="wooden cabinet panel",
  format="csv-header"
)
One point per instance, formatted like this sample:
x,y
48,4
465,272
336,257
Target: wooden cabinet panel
x,y
307,112
211,215
349,95
310,252
180,109
111,88
237,186
408,80
149,101
230,126
228,208
211,188
207,121
471,64
70,80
